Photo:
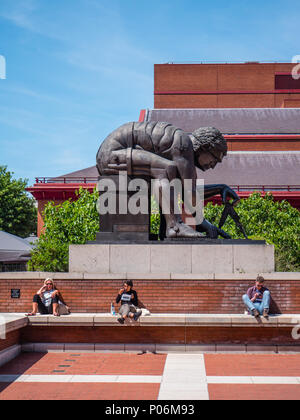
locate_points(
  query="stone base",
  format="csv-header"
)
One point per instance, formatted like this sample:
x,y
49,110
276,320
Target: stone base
x,y
169,258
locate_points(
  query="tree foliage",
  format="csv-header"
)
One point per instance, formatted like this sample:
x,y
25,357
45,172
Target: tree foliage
x,y
72,222
277,222
77,222
18,213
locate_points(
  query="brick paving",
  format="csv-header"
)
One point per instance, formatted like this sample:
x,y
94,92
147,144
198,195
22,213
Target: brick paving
x,y
90,376
78,391
252,365
253,392
85,364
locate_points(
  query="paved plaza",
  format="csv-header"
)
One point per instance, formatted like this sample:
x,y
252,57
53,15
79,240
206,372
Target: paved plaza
x,y
132,376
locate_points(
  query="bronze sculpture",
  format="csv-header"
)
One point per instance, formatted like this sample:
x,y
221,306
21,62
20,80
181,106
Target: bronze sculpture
x,y
162,151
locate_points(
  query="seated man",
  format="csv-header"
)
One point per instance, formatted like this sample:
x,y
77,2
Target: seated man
x,y
257,299
129,302
164,152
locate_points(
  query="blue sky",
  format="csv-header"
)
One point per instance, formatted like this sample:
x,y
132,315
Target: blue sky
x,y
77,69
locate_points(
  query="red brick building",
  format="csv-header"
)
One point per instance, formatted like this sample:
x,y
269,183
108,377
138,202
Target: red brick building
x,y
247,85
257,108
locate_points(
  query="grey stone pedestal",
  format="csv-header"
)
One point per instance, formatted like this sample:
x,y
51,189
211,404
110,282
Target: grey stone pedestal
x,y
173,258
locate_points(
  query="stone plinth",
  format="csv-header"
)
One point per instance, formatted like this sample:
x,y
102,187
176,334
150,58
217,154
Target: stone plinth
x,y
169,258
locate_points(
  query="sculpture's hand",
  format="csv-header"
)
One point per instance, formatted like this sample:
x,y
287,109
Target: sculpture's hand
x,y
118,162
211,230
229,192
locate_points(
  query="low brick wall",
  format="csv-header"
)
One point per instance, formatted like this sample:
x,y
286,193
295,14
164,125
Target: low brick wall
x,y
102,331
159,294
11,339
181,335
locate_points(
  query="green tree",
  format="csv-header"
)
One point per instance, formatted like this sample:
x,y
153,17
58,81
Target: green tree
x,y
18,213
72,222
277,222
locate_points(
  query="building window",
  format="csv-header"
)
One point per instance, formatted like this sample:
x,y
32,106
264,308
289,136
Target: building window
x,y
10,267
286,81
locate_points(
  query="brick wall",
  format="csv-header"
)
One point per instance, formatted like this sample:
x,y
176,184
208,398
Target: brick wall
x,y
11,339
159,296
158,335
220,85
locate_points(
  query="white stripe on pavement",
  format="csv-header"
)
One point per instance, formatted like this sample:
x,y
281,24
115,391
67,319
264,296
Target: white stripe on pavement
x,y
274,380
142,379
184,378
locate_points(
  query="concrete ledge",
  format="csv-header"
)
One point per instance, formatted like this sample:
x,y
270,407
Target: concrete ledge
x,y
11,322
105,319
29,275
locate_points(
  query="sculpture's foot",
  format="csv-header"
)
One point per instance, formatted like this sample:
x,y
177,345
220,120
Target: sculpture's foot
x,y
181,230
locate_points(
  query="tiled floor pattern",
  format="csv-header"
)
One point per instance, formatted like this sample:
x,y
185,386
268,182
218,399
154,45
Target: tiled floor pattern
x,y
128,376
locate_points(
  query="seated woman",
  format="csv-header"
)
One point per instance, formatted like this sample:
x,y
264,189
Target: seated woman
x,y
47,299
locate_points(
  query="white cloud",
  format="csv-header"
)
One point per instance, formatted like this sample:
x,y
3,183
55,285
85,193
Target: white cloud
x,y
19,12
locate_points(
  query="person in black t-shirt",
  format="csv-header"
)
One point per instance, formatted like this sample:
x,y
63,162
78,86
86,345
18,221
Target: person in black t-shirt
x,y
129,302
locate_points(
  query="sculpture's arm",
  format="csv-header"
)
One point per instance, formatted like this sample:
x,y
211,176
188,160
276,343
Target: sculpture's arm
x,y
224,190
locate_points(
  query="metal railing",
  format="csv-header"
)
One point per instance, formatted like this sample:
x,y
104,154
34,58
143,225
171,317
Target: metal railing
x,y
67,180
93,180
266,188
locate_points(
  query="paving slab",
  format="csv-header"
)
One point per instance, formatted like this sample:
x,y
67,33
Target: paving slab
x,y
184,378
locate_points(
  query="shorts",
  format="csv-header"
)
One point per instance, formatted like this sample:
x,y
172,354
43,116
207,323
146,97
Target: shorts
x,y
43,309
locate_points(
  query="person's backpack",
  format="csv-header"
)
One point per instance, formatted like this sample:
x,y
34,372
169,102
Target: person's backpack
x,y
63,309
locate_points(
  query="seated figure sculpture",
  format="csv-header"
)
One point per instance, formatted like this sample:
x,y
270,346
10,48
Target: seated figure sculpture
x,y
164,152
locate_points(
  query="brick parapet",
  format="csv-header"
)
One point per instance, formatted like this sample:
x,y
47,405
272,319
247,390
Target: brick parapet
x,y
212,293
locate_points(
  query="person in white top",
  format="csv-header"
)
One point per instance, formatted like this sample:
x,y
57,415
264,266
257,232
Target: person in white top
x,y
46,300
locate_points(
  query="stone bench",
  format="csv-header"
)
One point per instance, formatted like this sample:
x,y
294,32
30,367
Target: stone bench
x,y
157,332
200,320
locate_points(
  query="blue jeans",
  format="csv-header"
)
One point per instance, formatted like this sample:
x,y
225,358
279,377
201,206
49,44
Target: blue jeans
x,y
260,306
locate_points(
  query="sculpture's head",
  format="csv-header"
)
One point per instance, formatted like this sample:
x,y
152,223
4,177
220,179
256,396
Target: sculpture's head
x,y
209,146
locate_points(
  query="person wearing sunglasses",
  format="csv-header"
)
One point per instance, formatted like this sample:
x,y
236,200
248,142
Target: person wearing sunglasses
x,y
46,300
129,302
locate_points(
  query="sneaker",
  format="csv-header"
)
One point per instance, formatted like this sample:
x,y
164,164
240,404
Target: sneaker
x,y
137,315
255,313
266,313
121,320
